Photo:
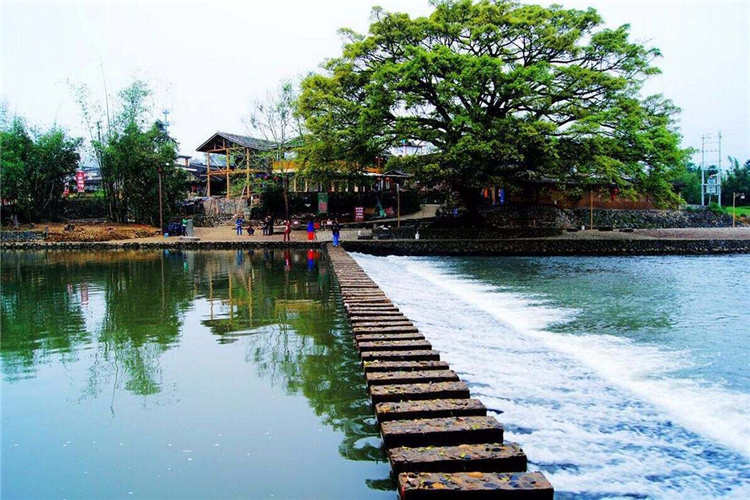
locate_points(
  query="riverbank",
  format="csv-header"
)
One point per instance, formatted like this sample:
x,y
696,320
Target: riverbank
x,y
679,241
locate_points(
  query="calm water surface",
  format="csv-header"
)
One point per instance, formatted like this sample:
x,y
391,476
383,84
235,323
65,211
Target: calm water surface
x,y
181,375
621,377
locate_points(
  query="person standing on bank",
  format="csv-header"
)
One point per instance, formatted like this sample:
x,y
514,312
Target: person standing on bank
x,y
335,231
310,230
287,230
238,224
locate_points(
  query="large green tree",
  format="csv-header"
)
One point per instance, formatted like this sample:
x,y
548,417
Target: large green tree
x,y
34,169
132,160
131,151
275,118
501,93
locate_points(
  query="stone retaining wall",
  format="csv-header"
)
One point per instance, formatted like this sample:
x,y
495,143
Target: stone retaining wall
x,y
548,247
431,247
550,216
154,245
22,235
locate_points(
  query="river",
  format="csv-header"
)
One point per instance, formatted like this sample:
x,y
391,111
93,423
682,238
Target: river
x,y
622,377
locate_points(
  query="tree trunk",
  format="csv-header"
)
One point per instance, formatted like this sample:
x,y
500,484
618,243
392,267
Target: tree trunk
x,y
471,200
285,186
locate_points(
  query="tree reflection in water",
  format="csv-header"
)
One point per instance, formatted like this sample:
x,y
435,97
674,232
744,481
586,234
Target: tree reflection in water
x,y
128,307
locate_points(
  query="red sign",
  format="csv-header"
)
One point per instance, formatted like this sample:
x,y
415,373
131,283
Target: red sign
x,y
359,213
80,181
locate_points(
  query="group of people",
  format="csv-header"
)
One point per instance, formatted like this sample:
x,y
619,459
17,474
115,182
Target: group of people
x,y
266,227
313,225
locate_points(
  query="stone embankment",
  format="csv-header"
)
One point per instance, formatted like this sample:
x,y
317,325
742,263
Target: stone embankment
x,y
440,442
542,246
174,244
550,216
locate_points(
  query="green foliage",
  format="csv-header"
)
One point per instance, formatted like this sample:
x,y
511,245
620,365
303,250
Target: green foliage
x,y
504,93
131,154
34,168
737,181
688,183
133,160
277,120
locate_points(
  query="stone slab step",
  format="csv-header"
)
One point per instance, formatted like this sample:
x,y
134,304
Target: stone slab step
x,y
410,377
383,326
370,311
360,286
375,301
444,431
400,355
474,485
373,337
378,306
406,392
432,408
394,345
482,457
372,319
385,323
378,365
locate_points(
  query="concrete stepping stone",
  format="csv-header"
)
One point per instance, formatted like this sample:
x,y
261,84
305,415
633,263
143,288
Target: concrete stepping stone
x,y
406,392
473,485
369,337
482,457
400,355
382,327
432,408
385,323
410,377
355,320
378,365
394,345
369,305
444,431
374,311
367,302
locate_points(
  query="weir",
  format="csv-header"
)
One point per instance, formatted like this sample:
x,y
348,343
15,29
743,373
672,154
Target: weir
x,y
440,442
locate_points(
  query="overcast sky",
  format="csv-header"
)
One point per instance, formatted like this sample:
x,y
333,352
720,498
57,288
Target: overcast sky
x,y
208,60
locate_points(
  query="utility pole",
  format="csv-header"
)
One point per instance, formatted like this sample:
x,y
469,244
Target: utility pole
x,y
161,212
398,205
703,170
718,181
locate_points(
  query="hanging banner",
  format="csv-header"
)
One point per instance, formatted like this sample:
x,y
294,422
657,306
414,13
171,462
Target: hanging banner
x,y
359,214
80,181
322,203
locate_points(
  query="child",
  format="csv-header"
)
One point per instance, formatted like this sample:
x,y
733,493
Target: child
x,y
310,230
335,230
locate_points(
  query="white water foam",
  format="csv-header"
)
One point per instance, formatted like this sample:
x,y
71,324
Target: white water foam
x,y
599,414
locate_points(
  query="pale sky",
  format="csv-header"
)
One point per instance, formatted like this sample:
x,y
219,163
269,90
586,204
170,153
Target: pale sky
x,y
209,60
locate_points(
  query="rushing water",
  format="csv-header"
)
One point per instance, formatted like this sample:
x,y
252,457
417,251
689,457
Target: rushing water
x,y
181,375
621,377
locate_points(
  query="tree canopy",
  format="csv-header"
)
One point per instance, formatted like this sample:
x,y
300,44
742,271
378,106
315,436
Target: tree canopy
x,y
34,168
131,155
501,93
